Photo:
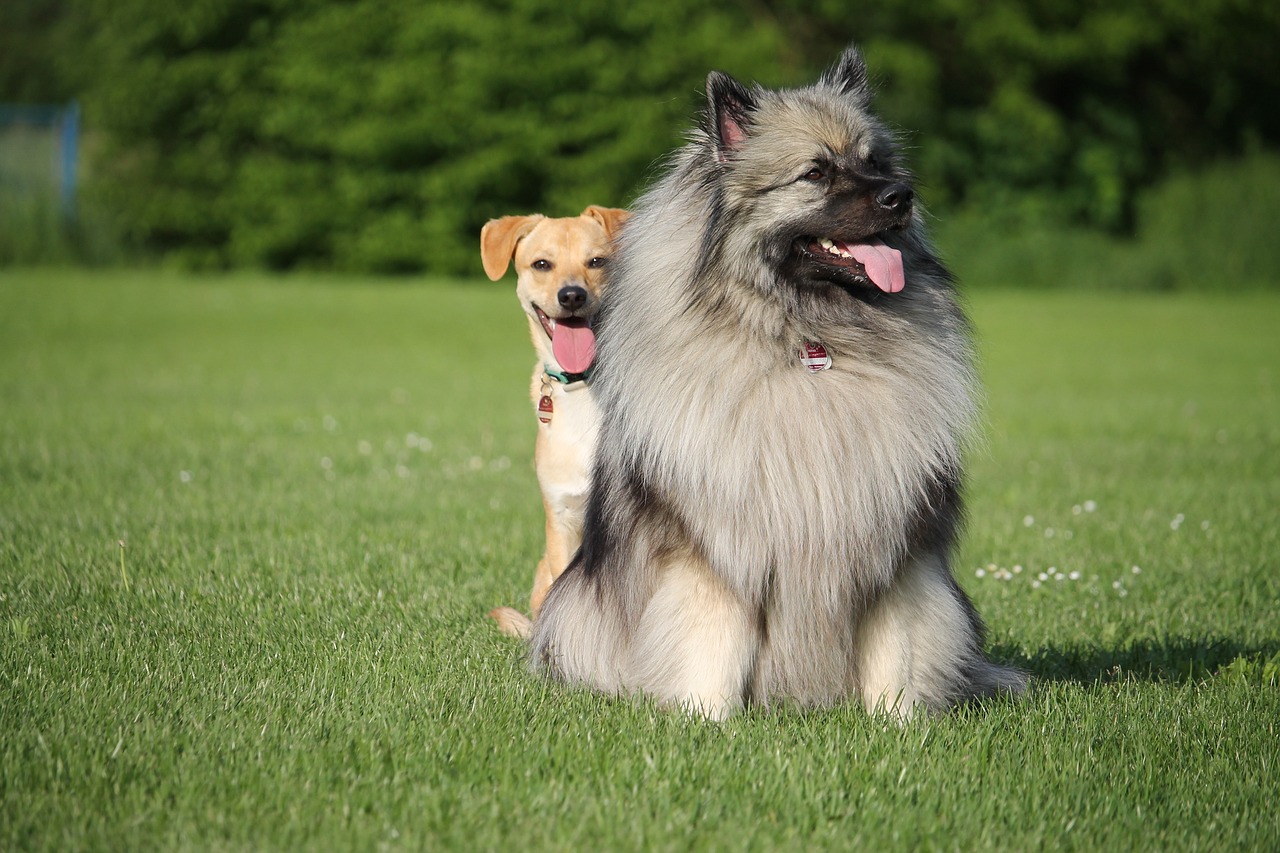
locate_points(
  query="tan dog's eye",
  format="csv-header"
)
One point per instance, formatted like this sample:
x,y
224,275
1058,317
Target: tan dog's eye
x,y
597,263
814,174
542,265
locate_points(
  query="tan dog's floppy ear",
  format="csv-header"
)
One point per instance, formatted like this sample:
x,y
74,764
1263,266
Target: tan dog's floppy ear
x,y
610,217
498,240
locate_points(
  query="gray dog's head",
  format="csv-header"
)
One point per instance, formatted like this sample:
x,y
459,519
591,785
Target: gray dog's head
x,y
808,181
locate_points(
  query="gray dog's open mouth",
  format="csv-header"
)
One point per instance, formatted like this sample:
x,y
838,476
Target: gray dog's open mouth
x,y
871,260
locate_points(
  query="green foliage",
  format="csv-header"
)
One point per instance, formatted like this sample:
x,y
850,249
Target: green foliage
x,y
41,51
380,134
1216,229
1211,231
31,231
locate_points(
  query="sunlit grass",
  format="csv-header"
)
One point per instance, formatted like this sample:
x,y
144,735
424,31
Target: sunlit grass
x,y
323,484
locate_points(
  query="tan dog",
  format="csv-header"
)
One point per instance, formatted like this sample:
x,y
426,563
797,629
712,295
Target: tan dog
x,y
559,273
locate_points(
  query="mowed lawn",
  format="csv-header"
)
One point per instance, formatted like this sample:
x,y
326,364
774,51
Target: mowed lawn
x,y
250,527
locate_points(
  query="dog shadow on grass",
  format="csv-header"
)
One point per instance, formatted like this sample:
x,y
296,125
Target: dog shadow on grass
x,y
1171,660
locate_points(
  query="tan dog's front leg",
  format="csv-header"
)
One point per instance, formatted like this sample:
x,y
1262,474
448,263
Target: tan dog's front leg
x,y
562,540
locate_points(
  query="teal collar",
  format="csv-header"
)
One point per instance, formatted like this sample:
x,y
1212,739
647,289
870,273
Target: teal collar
x,y
568,378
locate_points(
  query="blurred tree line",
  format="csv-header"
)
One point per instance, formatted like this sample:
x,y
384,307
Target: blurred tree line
x,y
381,134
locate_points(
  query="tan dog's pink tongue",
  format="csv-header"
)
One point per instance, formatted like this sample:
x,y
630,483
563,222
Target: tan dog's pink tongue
x,y
883,264
574,345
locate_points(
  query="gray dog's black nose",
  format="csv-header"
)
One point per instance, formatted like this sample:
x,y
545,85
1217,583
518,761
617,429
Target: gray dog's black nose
x,y
572,297
896,198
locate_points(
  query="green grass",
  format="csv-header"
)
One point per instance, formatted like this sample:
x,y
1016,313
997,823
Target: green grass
x,y
322,488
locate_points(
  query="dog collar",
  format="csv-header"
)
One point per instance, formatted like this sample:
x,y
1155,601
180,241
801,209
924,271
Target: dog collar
x,y
568,378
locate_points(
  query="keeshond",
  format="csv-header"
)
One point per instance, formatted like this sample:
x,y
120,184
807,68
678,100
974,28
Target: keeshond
x,y
786,382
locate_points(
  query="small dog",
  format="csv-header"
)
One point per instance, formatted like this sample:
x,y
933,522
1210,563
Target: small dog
x,y
560,266
785,387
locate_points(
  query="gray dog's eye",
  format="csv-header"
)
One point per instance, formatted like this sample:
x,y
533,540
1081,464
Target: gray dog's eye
x,y
541,265
814,174
596,263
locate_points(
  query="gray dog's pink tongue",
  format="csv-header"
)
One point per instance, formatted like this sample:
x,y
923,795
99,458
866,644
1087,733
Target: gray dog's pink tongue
x,y
883,264
574,345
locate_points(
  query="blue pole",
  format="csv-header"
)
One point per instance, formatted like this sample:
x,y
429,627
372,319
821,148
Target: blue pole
x,y
70,159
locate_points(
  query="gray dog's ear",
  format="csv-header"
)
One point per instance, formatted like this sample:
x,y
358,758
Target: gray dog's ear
x,y
729,109
849,75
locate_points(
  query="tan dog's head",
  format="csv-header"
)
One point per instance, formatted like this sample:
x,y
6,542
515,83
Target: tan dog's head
x,y
559,274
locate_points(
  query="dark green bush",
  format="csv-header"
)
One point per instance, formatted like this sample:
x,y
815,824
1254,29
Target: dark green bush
x,y
1208,231
380,134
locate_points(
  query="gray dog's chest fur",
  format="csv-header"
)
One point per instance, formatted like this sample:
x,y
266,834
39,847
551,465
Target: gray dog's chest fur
x,y
740,438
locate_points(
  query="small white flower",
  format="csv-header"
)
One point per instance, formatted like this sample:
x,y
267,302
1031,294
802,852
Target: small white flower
x,y
1059,577
326,463
1049,532
1204,525
1077,509
1136,570
364,448
1090,506
1043,576
330,423
1028,521
1115,584
184,476
402,472
1075,576
982,573
1017,570
475,463
411,440
1035,584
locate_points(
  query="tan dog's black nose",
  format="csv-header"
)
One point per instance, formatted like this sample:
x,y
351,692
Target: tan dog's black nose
x,y
572,297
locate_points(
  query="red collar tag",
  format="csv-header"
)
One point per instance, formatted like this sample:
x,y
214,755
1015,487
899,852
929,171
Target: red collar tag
x,y
814,357
544,409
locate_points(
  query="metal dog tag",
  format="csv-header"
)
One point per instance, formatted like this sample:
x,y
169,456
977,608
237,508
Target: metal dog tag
x,y
814,357
545,409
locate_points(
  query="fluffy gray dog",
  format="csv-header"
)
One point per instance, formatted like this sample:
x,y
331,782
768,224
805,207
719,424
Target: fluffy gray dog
x,y
786,384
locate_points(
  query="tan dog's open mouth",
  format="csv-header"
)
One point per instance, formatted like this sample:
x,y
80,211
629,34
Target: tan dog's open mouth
x,y
572,341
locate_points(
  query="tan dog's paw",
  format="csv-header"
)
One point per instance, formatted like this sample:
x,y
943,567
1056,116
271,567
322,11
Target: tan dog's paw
x,y
512,622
